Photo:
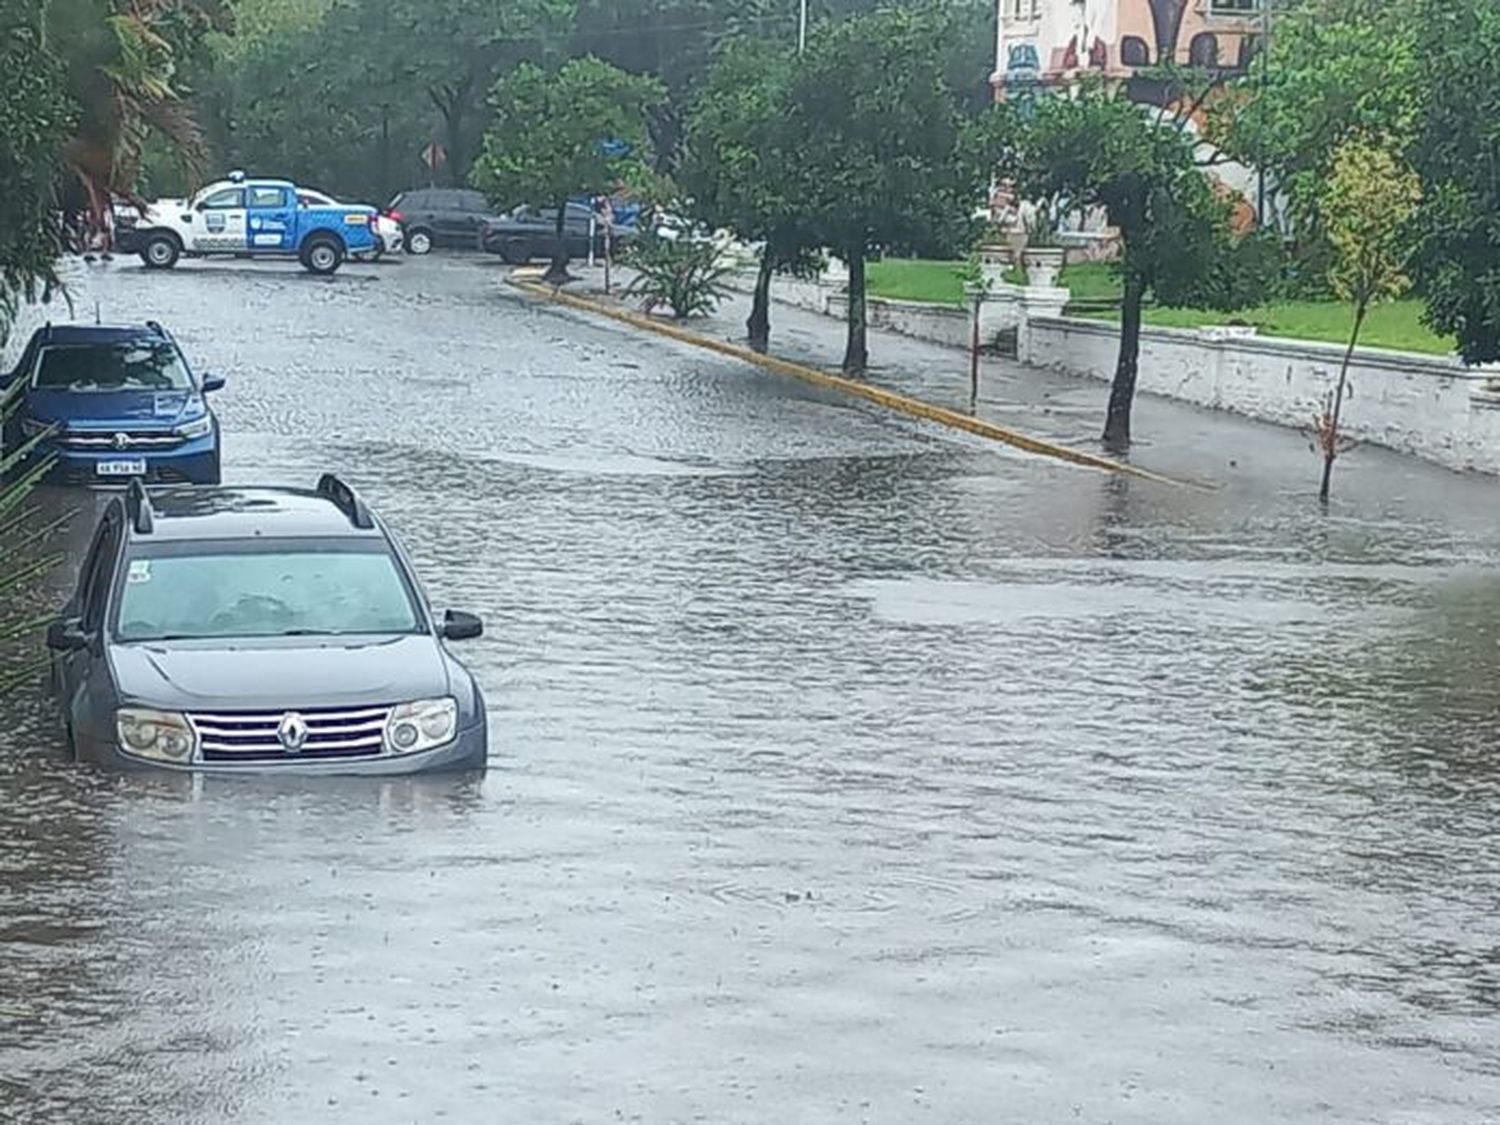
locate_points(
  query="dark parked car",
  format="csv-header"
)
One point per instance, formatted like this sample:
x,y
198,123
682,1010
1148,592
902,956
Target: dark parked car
x,y
528,233
440,217
227,630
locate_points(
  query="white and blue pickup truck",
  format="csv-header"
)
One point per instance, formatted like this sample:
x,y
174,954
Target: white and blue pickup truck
x,y
248,218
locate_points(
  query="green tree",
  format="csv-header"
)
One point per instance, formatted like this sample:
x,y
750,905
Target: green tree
x,y
580,130
1099,150
878,160
35,120
736,161
1366,208
1336,70
1458,259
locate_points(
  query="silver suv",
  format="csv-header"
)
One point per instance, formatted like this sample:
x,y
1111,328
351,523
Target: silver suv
x,y
235,629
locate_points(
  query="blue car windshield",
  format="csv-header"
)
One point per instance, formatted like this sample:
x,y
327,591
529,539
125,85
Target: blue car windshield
x,y
136,365
280,593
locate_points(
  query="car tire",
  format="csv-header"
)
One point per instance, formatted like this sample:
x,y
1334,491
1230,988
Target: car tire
x,y
515,251
419,241
215,475
379,251
322,255
161,251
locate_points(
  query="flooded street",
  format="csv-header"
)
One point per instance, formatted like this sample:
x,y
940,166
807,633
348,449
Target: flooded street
x,y
843,768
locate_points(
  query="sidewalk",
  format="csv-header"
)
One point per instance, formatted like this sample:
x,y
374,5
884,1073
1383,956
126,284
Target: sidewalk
x,y
1172,438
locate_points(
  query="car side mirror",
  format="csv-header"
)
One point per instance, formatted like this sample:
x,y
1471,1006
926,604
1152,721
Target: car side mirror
x,y
212,383
460,626
66,635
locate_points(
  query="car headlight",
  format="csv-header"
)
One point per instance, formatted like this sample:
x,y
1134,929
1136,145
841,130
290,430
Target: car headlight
x,y
197,428
421,725
164,736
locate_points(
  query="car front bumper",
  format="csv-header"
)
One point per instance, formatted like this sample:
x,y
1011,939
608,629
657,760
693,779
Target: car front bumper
x,y
469,750
192,462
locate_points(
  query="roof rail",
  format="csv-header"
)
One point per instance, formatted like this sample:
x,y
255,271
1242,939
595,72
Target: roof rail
x,y
138,507
346,500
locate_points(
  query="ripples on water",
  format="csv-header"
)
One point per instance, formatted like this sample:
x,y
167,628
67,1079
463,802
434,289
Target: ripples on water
x,y
842,771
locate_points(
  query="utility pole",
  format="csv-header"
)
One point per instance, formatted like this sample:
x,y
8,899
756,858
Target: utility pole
x,y
802,28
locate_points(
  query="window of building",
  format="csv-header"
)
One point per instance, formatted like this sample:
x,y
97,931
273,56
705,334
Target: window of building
x,y
1204,50
1233,7
1025,9
1134,51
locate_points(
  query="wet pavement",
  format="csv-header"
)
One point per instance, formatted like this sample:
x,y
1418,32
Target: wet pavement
x,y
844,769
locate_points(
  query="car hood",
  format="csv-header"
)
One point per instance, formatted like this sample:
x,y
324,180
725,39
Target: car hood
x,y
280,673
109,409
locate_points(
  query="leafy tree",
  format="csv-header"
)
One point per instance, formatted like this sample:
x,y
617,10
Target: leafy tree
x,y
580,130
1366,209
1337,70
1458,261
35,119
454,50
1097,149
877,160
737,158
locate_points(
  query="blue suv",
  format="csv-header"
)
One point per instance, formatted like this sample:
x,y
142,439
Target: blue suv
x,y
113,404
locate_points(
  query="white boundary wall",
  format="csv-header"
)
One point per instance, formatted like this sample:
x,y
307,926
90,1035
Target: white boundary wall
x,y
1428,406
1432,407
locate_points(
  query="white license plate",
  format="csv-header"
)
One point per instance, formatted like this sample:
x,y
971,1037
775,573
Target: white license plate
x,y
128,467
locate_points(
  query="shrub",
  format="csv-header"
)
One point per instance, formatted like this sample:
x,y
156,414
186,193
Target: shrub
x,y
684,274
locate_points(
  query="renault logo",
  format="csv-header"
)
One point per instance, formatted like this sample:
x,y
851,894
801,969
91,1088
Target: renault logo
x,y
292,733
122,441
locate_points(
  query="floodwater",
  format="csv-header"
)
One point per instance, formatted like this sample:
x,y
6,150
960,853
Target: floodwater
x,y
843,769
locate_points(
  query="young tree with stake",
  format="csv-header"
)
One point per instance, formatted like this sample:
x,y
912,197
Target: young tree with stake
x,y
1366,209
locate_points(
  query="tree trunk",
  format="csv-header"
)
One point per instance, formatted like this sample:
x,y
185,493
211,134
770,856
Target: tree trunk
x,y
856,351
557,272
759,324
1122,393
1331,438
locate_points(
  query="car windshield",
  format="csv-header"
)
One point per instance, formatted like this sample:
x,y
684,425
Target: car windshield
x,y
286,592
138,365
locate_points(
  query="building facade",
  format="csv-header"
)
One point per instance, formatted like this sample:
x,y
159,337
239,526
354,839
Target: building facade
x,y
1047,42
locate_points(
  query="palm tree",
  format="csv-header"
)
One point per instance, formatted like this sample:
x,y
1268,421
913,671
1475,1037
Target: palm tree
x,y
122,64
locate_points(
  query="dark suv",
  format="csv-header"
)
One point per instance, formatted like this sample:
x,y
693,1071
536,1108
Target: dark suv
x,y
228,630
440,217
529,232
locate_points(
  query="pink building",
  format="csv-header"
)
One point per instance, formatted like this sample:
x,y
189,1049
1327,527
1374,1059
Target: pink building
x,y
1048,41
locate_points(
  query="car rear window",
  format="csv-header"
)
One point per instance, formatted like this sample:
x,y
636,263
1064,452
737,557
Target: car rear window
x,y
319,590
137,365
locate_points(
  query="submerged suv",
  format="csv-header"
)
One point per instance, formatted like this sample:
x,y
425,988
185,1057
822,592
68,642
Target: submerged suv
x,y
230,630
112,403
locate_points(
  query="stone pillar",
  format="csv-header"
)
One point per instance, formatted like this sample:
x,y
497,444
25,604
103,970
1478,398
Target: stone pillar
x,y
1037,301
833,284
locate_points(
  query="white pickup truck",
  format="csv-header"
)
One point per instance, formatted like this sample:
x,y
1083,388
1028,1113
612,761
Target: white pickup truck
x,y
248,217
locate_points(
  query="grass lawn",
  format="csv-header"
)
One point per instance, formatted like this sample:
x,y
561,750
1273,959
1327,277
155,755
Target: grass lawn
x,y
1396,324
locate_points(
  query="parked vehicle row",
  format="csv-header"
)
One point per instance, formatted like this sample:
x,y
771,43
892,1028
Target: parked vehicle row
x,y
226,630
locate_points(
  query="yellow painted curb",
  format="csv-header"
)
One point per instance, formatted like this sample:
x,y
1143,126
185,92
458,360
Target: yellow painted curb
x,y
902,404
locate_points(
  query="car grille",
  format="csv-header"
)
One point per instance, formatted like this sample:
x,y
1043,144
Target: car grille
x,y
150,439
253,736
